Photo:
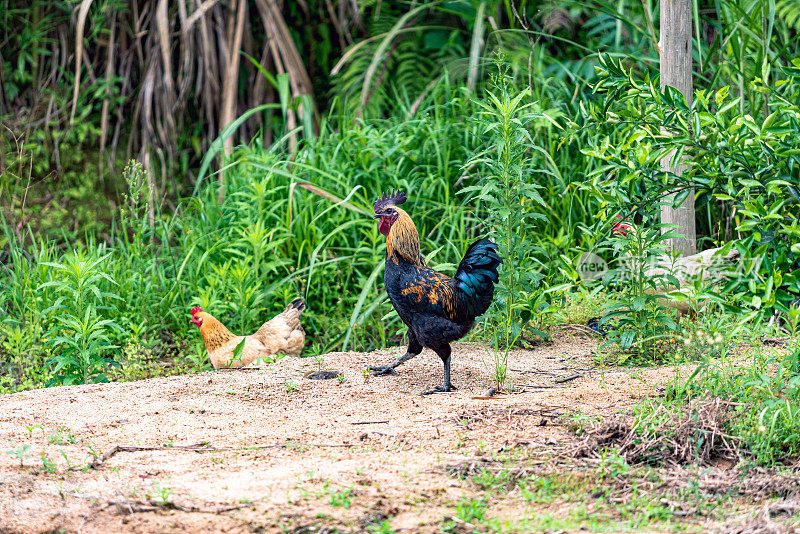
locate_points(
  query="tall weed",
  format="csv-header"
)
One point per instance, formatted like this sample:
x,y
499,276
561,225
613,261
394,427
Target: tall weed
x,y
510,164
80,338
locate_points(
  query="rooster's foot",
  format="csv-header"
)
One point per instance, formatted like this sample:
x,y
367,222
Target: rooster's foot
x,y
440,389
382,370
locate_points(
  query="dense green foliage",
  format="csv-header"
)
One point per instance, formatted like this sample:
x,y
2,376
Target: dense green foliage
x,y
738,168
640,319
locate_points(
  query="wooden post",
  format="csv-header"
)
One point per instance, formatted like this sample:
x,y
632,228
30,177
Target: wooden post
x,y
676,70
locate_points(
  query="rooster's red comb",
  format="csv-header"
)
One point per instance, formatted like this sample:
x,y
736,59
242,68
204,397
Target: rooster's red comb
x,y
389,198
196,310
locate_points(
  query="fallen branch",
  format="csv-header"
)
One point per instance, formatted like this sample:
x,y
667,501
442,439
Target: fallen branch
x,y
523,387
582,328
567,378
204,447
229,369
531,371
368,422
153,506
461,521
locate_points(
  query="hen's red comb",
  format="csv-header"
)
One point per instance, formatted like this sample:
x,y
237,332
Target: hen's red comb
x,y
389,198
196,310
622,227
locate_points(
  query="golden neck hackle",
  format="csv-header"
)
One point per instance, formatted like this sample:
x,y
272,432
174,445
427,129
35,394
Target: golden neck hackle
x,y
403,240
214,333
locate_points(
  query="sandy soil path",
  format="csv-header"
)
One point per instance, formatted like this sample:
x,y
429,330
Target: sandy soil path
x,y
269,450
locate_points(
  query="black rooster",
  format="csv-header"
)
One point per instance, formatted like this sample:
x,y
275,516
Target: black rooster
x,y
436,308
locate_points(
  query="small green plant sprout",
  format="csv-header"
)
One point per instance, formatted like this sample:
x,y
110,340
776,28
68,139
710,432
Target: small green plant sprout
x,y
461,441
366,375
468,512
66,459
30,428
290,386
20,453
263,361
498,359
163,493
342,498
384,527
48,464
92,456
319,361
541,489
472,510
62,436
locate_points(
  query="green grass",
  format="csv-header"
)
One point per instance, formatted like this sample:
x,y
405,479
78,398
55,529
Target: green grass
x,y
750,396
610,496
763,388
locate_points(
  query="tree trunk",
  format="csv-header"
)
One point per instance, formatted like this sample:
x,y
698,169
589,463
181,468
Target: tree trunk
x,y
676,70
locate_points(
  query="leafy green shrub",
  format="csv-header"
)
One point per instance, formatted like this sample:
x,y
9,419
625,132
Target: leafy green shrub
x,y
764,395
750,169
507,163
511,199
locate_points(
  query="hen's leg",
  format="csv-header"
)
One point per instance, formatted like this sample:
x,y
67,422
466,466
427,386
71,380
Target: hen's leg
x,y
444,353
414,348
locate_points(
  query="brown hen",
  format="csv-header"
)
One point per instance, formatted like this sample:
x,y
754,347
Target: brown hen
x,y
281,334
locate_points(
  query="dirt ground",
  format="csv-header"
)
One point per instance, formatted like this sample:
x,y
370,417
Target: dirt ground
x,y
270,450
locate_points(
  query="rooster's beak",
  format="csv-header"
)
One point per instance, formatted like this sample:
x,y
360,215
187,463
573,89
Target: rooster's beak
x,y
377,216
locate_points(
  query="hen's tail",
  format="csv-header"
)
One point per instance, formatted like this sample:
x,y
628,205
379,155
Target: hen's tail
x,y
295,339
296,304
292,313
476,276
